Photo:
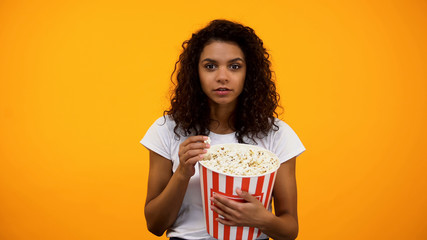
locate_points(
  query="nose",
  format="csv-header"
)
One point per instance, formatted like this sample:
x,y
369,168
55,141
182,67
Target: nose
x,y
222,75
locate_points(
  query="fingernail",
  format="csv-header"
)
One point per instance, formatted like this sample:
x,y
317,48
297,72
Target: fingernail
x,y
202,156
205,137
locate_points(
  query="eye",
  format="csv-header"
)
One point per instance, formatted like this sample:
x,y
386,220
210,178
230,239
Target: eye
x,y
210,66
235,66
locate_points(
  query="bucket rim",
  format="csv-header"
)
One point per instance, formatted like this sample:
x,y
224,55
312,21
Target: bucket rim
x,y
242,176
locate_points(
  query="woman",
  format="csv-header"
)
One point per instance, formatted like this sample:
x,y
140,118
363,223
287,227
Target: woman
x,y
224,90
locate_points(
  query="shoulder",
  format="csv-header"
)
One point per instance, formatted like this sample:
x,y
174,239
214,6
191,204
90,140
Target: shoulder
x,y
167,127
161,130
283,131
280,127
283,141
280,123
159,138
165,122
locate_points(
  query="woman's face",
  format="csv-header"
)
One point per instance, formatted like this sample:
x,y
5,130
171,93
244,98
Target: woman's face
x,y
222,71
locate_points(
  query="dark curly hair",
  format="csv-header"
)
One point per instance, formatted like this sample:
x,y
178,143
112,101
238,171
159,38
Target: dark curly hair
x,y
256,107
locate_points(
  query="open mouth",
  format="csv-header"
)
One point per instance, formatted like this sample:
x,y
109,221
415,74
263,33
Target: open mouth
x,y
222,89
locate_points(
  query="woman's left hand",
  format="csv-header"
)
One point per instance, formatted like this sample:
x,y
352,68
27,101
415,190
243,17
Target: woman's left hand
x,y
250,213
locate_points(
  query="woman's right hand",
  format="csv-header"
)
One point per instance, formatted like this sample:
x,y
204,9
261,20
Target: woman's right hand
x,y
166,190
190,152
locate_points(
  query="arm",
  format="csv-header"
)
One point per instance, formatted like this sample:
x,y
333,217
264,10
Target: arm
x,y
166,190
283,225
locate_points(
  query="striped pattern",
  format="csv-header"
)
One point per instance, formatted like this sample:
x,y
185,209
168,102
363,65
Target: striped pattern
x,y
212,182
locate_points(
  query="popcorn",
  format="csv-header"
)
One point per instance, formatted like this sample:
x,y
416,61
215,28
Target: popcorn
x,y
240,160
227,167
208,141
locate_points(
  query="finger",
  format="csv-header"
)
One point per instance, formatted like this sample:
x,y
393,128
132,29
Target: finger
x,y
226,222
193,153
195,145
245,195
189,144
221,212
198,138
194,159
225,203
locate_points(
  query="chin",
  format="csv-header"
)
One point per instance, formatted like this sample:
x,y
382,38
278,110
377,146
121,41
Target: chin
x,y
224,102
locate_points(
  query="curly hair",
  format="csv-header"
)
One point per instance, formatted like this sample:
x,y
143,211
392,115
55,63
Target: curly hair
x,y
256,106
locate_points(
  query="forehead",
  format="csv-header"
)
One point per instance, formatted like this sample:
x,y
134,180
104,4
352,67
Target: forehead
x,y
220,50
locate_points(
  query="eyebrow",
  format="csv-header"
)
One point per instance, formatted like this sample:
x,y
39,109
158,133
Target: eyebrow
x,y
232,60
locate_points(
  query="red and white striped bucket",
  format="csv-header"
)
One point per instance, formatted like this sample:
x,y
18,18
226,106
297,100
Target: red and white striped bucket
x,y
260,186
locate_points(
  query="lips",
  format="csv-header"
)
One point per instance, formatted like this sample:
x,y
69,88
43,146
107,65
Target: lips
x,y
222,91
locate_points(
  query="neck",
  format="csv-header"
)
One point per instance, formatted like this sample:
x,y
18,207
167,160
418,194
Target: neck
x,y
221,122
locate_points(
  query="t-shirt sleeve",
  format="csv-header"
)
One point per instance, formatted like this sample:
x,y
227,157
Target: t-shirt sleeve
x,y
158,138
286,143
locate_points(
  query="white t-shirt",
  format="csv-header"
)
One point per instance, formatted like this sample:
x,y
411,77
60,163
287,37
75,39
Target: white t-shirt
x,y
161,139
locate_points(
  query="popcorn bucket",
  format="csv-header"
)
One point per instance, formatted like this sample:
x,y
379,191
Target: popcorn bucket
x,y
211,181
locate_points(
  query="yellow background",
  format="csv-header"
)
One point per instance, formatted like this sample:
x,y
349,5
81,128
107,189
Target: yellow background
x,y
81,82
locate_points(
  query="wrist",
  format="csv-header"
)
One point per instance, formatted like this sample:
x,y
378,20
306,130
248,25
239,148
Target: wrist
x,y
266,221
280,227
181,174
